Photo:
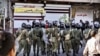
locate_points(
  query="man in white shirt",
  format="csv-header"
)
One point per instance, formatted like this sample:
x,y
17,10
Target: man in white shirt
x,y
98,42
90,48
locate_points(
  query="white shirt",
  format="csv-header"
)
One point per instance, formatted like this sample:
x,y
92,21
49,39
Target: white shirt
x,y
98,43
90,47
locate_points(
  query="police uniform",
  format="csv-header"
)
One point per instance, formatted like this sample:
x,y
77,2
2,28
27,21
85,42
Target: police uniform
x,y
23,39
18,32
54,39
61,39
22,36
76,34
48,44
36,36
28,43
86,33
67,41
42,42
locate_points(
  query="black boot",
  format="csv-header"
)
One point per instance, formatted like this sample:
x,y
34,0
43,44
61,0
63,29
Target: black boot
x,y
54,54
23,54
63,51
28,54
37,53
43,52
58,51
48,53
67,54
34,54
74,54
17,53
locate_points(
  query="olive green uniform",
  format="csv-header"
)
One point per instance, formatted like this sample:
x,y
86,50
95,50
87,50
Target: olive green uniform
x,y
36,36
76,34
86,33
18,32
48,36
67,41
42,42
54,40
61,42
23,40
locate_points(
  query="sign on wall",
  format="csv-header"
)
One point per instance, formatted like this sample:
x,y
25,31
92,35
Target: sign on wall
x,y
85,15
28,11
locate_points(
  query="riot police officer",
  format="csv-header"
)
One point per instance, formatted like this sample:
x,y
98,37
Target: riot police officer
x,y
23,39
61,42
33,24
42,42
36,36
67,40
28,45
48,42
76,36
54,38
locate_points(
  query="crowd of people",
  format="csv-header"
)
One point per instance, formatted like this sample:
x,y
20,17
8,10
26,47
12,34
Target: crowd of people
x,y
48,39
68,36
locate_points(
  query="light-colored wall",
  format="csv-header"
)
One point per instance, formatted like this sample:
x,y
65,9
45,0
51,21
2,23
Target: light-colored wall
x,y
80,16
49,16
94,1
52,17
4,6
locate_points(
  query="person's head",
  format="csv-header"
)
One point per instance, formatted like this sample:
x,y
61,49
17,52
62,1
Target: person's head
x,y
23,25
67,26
78,26
54,24
37,24
33,21
28,27
50,25
47,21
81,21
73,25
93,33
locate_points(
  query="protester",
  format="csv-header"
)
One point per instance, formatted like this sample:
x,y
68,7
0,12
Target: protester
x,y
90,48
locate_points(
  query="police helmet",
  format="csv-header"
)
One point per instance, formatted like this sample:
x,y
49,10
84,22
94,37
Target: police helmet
x,y
37,25
55,23
73,25
29,26
23,25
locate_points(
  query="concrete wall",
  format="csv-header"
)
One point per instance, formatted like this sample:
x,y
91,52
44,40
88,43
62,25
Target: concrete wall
x,y
85,15
4,6
89,1
49,16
